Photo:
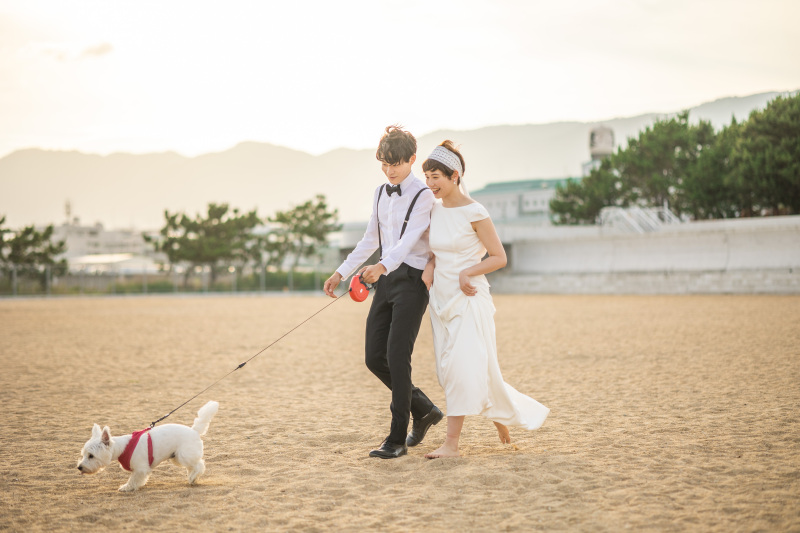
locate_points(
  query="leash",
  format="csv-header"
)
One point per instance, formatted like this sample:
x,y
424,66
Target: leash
x,y
152,424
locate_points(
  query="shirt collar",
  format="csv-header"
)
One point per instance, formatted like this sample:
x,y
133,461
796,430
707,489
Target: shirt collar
x,y
408,183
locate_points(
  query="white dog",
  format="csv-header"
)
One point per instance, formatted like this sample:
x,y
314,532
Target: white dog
x,y
142,451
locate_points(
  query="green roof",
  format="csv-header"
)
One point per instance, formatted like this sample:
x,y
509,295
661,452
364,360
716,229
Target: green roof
x,y
520,185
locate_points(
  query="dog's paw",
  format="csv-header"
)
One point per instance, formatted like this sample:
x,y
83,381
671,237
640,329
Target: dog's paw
x,y
127,488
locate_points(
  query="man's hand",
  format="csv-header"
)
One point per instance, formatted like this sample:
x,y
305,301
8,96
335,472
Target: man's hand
x,y
331,283
372,273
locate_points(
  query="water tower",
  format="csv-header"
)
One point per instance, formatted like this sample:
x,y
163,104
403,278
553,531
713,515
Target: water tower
x,y
601,142
601,145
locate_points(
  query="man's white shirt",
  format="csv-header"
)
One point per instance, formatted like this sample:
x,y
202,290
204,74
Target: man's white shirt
x,y
413,248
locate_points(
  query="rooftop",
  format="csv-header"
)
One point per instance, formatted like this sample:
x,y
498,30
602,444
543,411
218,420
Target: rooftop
x,y
520,185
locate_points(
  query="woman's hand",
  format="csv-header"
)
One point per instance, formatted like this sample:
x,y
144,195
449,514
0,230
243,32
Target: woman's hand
x,y
466,287
427,275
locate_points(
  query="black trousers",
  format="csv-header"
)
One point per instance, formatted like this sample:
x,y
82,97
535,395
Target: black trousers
x,y
393,323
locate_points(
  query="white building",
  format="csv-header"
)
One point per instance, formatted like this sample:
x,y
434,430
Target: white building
x,y
90,240
519,202
114,263
527,202
96,249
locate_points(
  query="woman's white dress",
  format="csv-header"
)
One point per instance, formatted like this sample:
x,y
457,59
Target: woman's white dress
x,y
463,327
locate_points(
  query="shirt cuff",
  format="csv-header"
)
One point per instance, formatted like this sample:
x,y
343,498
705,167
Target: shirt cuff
x,y
389,269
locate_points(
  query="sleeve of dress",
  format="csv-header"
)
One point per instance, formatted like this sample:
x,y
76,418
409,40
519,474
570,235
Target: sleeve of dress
x,y
478,212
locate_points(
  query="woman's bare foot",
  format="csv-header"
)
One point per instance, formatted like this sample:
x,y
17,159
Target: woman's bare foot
x,y
502,431
443,451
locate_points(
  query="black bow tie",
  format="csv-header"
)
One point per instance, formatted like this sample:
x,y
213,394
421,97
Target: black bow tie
x,y
393,188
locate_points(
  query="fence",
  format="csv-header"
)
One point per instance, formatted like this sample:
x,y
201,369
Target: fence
x,y
231,280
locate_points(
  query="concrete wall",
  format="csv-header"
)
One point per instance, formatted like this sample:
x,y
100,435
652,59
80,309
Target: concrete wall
x,y
756,255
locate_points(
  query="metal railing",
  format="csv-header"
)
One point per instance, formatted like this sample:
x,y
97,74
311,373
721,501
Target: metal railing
x,y
230,279
637,219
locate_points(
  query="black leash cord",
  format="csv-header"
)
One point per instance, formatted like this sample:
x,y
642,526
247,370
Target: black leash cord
x,y
152,424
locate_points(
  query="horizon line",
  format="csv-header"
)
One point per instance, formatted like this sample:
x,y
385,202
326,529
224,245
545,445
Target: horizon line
x,y
312,154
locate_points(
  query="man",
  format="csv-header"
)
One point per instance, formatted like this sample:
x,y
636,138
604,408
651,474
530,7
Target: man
x,y
398,227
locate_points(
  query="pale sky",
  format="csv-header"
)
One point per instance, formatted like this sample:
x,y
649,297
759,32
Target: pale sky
x,y
198,76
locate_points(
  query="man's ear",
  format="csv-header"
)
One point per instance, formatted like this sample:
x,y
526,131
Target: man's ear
x,y
412,159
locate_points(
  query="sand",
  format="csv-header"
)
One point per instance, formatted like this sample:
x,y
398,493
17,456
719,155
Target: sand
x,y
674,413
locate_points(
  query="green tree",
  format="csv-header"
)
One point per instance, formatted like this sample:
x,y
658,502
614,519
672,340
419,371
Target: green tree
x,y
30,252
267,249
3,233
710,189
747,169
221,236
766,164
580,201
304,229
655,166
652,171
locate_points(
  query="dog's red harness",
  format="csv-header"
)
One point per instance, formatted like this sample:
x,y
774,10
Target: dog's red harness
x,y
127,453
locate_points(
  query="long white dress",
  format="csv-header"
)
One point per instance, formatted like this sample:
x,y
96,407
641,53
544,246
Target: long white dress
x,y
463,327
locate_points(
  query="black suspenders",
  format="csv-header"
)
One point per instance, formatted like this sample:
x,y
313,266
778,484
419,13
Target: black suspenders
x,y
405,222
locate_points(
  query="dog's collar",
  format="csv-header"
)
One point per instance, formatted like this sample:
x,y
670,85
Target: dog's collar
x,y
127,453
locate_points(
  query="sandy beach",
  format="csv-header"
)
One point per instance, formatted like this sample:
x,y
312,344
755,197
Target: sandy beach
x,y
668,413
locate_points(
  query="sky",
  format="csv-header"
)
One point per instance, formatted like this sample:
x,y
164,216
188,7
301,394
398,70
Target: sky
x,y
199,76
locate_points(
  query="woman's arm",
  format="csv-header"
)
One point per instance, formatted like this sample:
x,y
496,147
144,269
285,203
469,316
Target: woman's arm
x,y
427,274
496,260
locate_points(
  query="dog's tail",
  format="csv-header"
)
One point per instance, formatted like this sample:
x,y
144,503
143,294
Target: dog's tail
x,y
204,416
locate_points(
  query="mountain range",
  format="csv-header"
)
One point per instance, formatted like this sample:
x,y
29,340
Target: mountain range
x,y
133,190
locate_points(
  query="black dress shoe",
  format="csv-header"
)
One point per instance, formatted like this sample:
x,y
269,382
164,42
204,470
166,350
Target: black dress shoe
x,y
420,427
389,450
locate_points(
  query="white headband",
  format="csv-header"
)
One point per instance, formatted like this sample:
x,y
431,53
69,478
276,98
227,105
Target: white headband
x,y
448,159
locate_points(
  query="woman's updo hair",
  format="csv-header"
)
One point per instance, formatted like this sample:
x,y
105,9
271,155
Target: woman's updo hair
x,y
431,164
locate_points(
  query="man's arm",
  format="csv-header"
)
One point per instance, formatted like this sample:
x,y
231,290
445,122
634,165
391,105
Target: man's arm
x,y
363,250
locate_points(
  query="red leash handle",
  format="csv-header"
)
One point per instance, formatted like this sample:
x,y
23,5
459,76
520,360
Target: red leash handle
x,y
359,289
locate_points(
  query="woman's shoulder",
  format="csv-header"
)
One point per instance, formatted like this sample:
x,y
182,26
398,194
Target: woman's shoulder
x,y
475,211
472,211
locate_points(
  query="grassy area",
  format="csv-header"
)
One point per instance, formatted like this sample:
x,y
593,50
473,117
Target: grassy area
x,y
161,284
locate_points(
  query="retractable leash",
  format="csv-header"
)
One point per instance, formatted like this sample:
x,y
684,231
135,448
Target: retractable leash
x,y
359,290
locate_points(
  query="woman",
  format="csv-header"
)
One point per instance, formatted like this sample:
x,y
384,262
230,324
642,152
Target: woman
x,y
461,308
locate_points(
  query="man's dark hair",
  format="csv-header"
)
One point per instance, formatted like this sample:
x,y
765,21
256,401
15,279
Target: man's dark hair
x,y
396,146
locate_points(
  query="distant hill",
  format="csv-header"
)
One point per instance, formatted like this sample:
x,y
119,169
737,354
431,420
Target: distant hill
x,y
126,190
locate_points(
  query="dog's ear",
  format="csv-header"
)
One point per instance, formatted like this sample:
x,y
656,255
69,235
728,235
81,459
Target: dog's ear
x,y
96,431
106,436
